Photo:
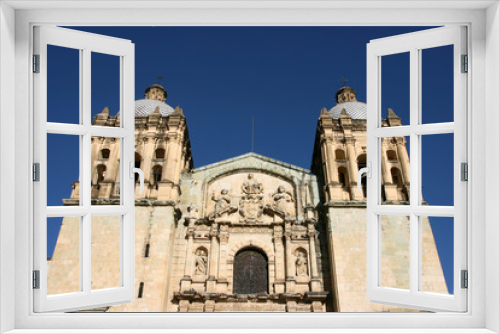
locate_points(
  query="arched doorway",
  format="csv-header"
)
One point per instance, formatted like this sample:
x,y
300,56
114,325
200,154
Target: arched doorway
x,y
250,274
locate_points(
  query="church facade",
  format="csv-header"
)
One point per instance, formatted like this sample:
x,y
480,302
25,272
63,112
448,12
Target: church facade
x,y
248,234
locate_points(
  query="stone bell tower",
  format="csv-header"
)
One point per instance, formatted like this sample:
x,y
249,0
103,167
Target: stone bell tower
x,y
340,151
163,152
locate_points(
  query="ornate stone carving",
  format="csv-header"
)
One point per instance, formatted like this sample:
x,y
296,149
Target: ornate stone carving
x,y
222,205
201,261
251,206
301,263
282,199
252,187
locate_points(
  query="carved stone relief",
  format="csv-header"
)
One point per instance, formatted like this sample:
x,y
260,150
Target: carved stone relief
x,y
261,199
251,205
223,206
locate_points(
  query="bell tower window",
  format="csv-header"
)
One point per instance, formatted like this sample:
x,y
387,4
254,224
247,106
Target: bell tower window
x,y
137,164
105,153
160,153
157,170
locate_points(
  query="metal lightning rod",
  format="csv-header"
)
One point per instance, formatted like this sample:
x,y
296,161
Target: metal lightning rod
x,y
252,134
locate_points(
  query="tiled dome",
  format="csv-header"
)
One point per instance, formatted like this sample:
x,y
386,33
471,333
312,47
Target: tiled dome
x,y
144,108
357,110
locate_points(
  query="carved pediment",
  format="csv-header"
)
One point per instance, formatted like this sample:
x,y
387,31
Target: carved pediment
x,y
258,199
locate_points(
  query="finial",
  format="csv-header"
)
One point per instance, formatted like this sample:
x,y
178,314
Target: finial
x,y
178,111
159,78
105,111
324,113
344,81
391,113
344,114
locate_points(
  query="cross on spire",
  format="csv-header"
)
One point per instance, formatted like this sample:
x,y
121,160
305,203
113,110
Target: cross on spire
x,y
344,81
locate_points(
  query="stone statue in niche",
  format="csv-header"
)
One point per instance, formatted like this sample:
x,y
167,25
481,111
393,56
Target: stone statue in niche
x,y
222,204
251,205
201,262
301,263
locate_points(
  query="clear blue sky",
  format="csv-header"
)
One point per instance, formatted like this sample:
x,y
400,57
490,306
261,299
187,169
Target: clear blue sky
x,y
282,76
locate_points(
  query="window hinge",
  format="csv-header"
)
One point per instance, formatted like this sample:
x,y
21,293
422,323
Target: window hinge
x,y
464,171
36,63
465,279
36,172
465,64
36,279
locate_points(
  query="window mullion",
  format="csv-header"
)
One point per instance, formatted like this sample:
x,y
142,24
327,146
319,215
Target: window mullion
x,y
415,90
85,156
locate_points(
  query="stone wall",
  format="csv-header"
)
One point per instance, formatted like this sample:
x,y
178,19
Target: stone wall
x,y
154,225
347,241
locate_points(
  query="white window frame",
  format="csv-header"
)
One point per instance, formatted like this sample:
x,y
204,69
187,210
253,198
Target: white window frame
x,y
414,44
85,43
483,20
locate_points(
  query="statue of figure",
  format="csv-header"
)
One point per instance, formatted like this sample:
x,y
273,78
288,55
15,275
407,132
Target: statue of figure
x,y
223,201
281,199
222,204
251,186
301,264
201,262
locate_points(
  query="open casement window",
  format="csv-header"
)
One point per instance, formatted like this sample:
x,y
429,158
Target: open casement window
x,y
81,211
416,130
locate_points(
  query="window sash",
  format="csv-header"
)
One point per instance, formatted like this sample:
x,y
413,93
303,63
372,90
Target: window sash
x,y
86,43
414,43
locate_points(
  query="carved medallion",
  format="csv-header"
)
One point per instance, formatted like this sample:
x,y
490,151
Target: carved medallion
x,y
251,205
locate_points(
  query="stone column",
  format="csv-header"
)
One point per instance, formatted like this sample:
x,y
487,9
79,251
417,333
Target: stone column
x,y
290,275
214,255
332,176
188,268
389,188
312,254
222,282
169,187
403,158
315,282
113,162
149,146
279,260
333,171
386,174
189,254
353,169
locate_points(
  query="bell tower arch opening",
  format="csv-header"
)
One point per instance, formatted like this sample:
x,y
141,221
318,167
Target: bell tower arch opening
x,y
250,274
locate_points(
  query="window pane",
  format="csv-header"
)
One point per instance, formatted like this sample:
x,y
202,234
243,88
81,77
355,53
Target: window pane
x,y
437,239
63,255
105,250
437,84
395,170
63,165
395,252
396,89
437,169
105,89
105,169
63,85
